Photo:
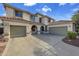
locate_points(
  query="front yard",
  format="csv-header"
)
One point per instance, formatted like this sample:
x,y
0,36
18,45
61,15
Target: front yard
x,y
74,42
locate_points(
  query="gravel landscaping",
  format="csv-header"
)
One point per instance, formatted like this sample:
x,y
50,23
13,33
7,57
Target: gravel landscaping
x,y
74,42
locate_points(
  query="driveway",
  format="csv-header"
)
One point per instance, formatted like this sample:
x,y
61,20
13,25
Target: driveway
x,y
61,48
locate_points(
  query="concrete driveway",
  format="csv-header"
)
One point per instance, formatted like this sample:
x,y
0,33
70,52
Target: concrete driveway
x,y
61,48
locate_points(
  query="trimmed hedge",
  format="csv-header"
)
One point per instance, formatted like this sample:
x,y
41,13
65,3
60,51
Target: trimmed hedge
x,y
71,35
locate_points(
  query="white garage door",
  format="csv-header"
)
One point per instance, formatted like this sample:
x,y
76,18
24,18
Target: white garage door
x,y
58,30
17,31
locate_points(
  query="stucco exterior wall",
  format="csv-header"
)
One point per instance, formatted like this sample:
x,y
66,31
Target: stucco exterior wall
x,y
6,30
37,18
69,26
26,16
10,12
45,20
51,20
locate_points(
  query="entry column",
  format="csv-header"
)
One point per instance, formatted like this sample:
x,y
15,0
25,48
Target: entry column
x,y
39,29
6,30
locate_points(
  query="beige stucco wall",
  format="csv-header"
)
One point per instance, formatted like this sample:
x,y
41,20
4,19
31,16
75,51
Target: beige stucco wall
x,y
6,30
26,16
51,20
69,26
37,18
45,20
39,15
10,12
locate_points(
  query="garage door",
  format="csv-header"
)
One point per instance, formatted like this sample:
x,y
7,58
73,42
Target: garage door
x,y
17,31
58,30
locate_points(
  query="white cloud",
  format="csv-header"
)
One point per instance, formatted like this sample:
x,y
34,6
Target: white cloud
x,y
75,9
62,4
29,4
46,9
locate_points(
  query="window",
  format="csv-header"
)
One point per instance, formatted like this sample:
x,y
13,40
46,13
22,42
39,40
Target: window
x,y
18,13
49,20
33,18
40,20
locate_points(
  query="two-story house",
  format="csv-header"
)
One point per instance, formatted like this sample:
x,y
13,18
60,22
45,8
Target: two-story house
x,y
20,23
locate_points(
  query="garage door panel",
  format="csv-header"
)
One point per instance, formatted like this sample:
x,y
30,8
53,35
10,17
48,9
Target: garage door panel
x,y
17,31
58,30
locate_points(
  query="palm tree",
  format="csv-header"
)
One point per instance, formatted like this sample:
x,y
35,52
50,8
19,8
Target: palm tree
x,y
75,19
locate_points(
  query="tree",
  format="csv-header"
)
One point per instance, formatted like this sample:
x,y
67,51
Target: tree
x,y
75,19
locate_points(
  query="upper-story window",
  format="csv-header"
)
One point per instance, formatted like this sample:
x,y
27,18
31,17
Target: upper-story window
x,y
33,18
49,20
40,20
18,13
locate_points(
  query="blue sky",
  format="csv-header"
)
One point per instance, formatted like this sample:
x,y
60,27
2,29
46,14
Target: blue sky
x,y
58,11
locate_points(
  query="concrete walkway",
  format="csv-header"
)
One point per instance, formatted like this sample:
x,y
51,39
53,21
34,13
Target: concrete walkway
x,y
61,48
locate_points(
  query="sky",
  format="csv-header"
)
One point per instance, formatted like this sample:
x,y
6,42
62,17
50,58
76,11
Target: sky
x,y
57,11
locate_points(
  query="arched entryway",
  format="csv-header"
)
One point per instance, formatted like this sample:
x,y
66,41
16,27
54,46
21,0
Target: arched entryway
x,y
34,29
1,31
42,29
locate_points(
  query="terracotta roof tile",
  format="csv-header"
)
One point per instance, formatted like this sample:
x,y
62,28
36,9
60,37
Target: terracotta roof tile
x,y
4,18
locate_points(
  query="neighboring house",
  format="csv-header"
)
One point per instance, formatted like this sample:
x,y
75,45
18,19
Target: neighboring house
x,y
18,23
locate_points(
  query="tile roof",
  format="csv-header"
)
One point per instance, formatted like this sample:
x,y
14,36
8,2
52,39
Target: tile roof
x,y
5,4
17,19
60,22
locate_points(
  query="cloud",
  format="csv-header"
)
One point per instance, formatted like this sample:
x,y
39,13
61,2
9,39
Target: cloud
x,y
46,9
29,4
40,10
75,9
62,4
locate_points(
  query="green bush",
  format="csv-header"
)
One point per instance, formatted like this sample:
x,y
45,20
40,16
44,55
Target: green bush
x,y
71,35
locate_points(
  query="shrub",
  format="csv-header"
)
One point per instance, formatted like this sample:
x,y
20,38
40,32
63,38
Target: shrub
x,y
71,35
